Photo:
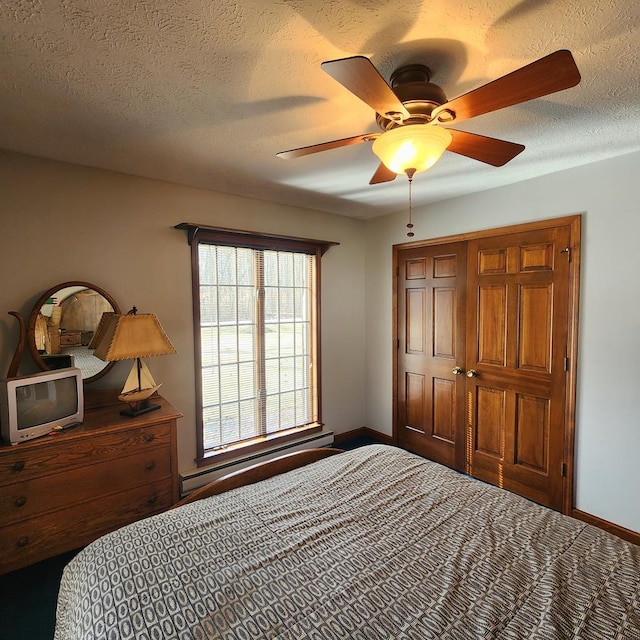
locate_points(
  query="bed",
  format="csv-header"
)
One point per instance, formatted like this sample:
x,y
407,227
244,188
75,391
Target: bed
x,y
374,543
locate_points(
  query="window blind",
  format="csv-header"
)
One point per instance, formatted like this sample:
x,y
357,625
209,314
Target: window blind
x,y
257,324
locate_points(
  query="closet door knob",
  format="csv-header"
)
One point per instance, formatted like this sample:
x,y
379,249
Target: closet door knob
x,y
457,371
472,373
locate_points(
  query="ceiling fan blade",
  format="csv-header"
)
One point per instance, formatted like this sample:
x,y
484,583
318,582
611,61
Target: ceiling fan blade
x,y
325,146
554,72
358,75
490,150
383,174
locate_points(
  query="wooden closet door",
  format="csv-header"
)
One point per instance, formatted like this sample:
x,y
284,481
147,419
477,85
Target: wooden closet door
x,y
518,294
431,344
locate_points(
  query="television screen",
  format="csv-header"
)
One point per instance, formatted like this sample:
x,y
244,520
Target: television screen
x,y
42,402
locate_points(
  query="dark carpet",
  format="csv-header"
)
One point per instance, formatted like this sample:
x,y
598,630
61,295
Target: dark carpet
x,y
28,599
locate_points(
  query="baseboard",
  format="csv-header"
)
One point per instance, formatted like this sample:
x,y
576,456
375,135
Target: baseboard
x,y
362,432
616,530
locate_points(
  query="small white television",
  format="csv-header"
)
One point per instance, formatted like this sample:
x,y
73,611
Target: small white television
x,y
38,404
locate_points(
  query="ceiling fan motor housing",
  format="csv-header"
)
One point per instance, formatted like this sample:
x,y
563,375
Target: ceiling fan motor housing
x,y
419,96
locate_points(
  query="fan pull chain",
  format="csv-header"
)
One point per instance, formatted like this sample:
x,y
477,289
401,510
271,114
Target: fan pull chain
x,y
410,173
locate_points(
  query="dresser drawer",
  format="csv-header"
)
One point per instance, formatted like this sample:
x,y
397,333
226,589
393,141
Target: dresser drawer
x,y
26,499
70,339
32,540
66,453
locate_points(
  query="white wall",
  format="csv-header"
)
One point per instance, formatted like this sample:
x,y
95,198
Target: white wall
x,y
60,222
608,416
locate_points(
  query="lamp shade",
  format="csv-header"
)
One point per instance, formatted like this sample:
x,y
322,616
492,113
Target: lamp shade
x,y
135,335
413,146
100,329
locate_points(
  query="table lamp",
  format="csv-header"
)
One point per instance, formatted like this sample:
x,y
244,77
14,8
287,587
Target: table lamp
x,y
131,337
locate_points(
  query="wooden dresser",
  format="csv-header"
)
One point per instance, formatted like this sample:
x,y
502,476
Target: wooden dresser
x,y
60,492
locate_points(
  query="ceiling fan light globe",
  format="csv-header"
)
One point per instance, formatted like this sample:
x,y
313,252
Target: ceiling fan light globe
x,y
415,146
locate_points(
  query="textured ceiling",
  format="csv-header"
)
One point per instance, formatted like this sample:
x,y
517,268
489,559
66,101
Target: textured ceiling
x,y
206,93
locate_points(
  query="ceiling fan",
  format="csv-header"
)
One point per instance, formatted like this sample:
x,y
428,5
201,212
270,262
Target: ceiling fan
x,y
412,107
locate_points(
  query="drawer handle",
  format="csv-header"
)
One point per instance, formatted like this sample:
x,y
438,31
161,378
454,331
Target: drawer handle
x,y
18,466
148,437
21,501
152,500
150,465
23,542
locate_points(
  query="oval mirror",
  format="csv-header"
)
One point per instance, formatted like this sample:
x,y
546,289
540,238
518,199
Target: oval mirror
x,y
62,324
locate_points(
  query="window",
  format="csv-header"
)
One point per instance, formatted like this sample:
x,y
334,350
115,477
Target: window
x,y
256,306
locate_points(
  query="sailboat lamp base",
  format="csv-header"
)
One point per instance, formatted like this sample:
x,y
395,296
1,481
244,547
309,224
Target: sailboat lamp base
x,y
134,412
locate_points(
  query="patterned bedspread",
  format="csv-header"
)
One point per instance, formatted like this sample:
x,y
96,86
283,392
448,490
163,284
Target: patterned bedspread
x,y
370,544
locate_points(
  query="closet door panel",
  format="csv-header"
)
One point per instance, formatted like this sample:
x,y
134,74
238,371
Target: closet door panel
x,y
518,292
492,324
532,433
415,402
431,315
490,422
444,410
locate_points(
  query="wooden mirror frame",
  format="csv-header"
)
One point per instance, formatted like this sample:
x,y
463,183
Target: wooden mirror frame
x,y
31,327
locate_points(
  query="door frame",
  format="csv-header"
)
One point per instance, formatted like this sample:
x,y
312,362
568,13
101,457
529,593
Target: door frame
x,y
575,224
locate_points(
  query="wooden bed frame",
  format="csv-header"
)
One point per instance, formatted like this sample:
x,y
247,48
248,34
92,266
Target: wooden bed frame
x,y
257,472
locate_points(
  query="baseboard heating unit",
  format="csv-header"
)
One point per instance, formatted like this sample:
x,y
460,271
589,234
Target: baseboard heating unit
x,y
192,480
